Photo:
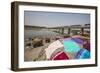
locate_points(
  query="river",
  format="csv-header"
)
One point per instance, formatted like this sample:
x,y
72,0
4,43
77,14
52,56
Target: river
x,y
40,33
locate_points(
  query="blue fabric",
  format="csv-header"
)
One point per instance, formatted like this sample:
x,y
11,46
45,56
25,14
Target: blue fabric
x,y
83,54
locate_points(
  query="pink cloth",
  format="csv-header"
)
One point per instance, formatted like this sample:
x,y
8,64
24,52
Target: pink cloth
x,y
60,56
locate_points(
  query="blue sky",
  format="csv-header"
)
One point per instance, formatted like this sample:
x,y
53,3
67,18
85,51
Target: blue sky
x,y
55,19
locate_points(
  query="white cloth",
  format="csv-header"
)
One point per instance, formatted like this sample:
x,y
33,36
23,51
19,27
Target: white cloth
x,y
52,47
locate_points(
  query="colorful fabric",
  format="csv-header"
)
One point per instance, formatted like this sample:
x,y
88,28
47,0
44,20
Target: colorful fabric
x,y
83,54
52,47
87,46
56,51
71,46
60,56
68,48
78,40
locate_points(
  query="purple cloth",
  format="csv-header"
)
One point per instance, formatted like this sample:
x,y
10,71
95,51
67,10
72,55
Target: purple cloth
x,y
78,40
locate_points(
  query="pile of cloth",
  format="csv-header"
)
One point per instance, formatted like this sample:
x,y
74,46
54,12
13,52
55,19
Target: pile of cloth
x,y
75,47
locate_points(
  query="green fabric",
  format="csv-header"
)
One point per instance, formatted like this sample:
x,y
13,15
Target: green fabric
x,y
71,46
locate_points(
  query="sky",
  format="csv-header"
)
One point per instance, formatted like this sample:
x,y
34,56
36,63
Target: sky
x,y
55,19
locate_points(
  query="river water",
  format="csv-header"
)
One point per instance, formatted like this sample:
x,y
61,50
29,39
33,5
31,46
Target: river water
x,y
40,33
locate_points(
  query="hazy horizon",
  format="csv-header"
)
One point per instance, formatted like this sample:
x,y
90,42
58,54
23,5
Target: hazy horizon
x,y
55,19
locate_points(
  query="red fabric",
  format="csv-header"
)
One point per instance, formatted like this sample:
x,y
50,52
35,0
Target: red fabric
x,y
60,56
